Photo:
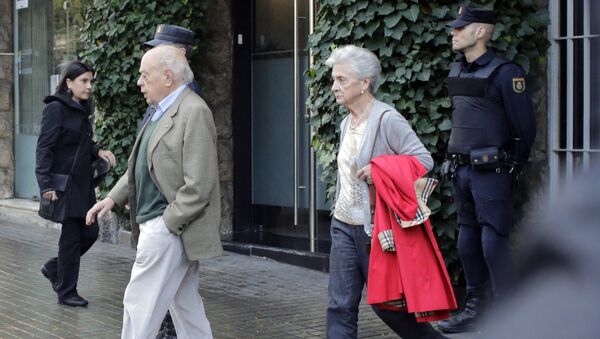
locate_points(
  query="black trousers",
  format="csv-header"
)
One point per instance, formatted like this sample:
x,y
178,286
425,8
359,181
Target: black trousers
x,y
484,207
76,238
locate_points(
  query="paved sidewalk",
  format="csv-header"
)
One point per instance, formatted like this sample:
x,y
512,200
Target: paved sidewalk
x,y
245,297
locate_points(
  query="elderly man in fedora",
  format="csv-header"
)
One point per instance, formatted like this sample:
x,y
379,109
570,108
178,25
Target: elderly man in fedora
x,y
183,39
179,37
172,187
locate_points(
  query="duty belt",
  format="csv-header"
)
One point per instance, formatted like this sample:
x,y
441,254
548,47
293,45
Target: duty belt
x,y
459,159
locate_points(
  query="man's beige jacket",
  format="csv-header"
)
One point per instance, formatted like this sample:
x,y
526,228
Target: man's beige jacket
x,y
182,160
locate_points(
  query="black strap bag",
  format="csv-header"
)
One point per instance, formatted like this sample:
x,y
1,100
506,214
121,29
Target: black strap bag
x,y
57,210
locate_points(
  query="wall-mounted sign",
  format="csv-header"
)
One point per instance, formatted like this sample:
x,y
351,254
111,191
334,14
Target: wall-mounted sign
x,y
22,4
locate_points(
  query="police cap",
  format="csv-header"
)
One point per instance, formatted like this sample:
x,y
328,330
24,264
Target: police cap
x,y
171,34
468,15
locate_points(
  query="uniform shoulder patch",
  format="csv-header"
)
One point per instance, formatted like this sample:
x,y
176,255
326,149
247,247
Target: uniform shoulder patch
x,y
518,85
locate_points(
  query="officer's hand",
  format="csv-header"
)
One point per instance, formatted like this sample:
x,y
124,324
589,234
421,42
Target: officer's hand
x,y
99,209
365,174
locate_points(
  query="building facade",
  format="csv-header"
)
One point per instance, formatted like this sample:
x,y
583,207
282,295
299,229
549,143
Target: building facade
x,y
7,111
254,81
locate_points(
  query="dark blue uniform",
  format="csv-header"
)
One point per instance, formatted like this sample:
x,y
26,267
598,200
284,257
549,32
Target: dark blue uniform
x,y
492,115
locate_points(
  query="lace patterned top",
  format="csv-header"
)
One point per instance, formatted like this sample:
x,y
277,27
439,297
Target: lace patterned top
x,y
354,193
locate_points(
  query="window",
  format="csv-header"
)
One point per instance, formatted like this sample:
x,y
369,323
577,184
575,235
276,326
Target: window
x,y
574,101
48,38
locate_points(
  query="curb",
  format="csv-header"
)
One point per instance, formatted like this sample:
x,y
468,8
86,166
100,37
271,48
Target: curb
x,y
24,212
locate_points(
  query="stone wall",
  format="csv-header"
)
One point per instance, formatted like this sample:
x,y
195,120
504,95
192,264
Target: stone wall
x,y
216,80
7,158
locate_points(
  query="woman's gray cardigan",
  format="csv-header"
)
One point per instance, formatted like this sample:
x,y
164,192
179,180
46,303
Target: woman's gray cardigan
x,y
395,137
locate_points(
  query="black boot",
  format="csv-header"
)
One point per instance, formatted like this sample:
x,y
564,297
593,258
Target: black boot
x,y
464,321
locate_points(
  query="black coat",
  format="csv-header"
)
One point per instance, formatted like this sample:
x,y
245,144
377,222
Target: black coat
x,y
66,124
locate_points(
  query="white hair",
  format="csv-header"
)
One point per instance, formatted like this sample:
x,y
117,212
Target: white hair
x,y
171,57
363,63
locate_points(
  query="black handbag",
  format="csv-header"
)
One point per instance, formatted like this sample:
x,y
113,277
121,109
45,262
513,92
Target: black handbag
x,y
57,210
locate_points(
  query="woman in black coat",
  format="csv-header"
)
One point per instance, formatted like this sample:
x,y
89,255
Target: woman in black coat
x,y
65,146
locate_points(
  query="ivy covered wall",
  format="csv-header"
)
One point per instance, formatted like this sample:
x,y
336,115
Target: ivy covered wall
x,y
113,34
412,41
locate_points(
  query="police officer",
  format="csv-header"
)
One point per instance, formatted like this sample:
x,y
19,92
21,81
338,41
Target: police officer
x,y
180,37
493,129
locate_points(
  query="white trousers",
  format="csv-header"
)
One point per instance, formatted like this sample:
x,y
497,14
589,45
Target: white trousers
x,y
163,278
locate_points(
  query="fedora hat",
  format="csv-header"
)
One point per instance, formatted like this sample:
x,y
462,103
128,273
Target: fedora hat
x,y
171,34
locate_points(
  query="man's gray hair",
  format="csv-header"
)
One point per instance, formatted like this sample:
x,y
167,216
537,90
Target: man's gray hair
x,y
363,63
171,57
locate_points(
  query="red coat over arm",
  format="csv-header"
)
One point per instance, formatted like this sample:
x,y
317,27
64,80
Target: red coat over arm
x,y
415,275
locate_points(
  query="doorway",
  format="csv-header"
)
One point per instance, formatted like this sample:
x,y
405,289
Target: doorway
x,y
46,38
279,200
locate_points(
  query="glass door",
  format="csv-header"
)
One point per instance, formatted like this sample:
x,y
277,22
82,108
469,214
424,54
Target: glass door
x,y
281,187
34,66
47,37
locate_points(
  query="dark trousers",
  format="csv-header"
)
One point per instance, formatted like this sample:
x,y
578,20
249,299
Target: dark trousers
x,y
486,257
76,238
484,207
348,269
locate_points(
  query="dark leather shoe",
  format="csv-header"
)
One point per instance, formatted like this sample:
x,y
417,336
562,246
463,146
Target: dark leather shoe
x,y
49,276
459,323
73,301
466,320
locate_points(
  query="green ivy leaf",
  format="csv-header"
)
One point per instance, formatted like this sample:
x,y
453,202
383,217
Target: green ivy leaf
x,y
424,75
394,33
371,27
445,125
412,14
392,20
386,8
440,12
344,30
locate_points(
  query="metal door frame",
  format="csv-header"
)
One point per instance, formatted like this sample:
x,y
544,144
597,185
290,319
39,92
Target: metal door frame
x,y
299,118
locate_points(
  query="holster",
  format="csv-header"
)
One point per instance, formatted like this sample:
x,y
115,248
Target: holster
x,y
448,170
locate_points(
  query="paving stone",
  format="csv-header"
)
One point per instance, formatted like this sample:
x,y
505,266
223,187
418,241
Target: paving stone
x,y
245,297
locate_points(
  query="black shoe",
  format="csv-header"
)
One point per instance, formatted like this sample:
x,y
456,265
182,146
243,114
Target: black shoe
x,y
466,320
48,276
461,322
73,301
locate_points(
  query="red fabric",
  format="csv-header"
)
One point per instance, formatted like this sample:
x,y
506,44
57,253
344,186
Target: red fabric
x,y
416,271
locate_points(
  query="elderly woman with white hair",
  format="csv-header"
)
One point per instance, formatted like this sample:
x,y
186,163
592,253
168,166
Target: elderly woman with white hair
x,y
371,129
